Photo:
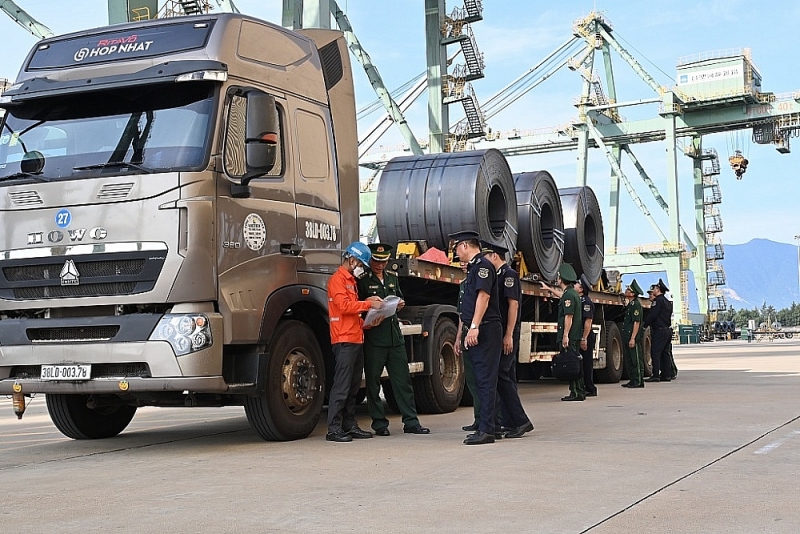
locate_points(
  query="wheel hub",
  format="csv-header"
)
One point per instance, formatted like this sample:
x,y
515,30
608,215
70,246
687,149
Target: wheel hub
x,y
299,382
448,367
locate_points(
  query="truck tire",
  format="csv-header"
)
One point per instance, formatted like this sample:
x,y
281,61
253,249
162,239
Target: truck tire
x,y
72,417
441,391
613,370
647,344
290,407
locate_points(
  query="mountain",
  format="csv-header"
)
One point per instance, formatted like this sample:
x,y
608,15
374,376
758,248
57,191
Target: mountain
x,y
761,271
756,272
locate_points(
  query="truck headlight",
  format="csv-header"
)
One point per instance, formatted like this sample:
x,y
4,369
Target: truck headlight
x,y
185,332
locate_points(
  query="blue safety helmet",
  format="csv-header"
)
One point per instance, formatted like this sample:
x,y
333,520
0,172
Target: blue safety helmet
x,y
359,251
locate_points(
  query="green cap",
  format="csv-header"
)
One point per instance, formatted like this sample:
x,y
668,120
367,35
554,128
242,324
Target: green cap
x,y
634,286
381,251
567,273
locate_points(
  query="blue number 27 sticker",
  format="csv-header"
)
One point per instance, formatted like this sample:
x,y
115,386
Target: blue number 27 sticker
x,y
63,218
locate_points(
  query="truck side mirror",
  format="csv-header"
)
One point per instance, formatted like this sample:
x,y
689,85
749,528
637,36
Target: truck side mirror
x,y
262,132
251,136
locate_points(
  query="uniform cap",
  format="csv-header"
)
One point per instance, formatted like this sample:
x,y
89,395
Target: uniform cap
x,y
487,247
662,286
634,286
381,251
567,273
652,288
585,284
464,235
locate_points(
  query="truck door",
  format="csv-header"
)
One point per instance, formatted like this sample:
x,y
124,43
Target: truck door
x,y
316,195
257,231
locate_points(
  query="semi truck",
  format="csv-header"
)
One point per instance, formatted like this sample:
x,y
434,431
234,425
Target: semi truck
x,y
176,194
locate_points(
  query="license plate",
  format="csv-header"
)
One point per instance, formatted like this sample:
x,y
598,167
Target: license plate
x,y
66,372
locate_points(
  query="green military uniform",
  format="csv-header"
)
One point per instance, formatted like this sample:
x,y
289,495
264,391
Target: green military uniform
x,y
384,346
633,357
570,304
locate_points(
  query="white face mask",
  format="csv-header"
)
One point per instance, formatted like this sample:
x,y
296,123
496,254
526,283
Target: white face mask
x,y
359,272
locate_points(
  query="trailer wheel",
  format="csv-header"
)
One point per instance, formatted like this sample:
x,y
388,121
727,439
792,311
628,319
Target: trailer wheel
x,y
613,370
647,345
789,335
72,417
290,406
441,391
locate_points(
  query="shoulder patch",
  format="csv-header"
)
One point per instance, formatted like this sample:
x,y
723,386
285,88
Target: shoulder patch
x,y
483,272
586,307
567,303
509,282
636,312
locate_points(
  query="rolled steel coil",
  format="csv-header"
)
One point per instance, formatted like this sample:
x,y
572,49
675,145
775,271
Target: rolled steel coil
x,y
583,231
428,197
541,224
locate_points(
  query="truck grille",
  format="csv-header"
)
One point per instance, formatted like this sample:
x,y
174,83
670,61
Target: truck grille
x,y
99,370
26,273
99,275
81,333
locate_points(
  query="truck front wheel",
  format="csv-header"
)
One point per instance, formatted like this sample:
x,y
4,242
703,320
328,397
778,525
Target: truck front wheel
x,y
73,417
290,406
440,392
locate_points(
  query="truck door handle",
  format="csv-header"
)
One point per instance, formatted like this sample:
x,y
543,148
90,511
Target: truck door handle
x,y
290,249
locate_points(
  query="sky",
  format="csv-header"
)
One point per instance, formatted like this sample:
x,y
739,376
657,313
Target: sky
x,y
517,34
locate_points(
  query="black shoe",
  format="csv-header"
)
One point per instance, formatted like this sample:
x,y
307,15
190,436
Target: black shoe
x,y
520,430
573,399
626,385
339,436
498,435
419,429
568,398
357,433
653,379
479,438
591,393
382,431
632,385
470,428
666,380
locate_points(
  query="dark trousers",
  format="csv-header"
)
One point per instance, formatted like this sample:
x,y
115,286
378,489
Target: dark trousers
x,y
346,383
660,353
396,362
485,358
472,386
588,365
511,410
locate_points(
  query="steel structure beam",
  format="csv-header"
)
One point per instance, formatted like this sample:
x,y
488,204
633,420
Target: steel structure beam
x,y
375,78
21,17
436,57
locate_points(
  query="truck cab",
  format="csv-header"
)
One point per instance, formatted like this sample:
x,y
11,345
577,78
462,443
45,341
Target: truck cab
x,y
175,195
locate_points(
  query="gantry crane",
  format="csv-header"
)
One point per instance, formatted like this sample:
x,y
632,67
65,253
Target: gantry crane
x,y
718,92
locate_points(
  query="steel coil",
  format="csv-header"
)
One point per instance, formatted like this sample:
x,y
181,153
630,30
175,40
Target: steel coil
x,y
541,224
428,197
583,231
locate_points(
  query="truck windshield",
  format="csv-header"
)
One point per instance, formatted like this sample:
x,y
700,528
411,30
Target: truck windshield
x,y
153,129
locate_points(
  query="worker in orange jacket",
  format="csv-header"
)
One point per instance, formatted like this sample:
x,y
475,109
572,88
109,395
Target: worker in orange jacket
x,y
347,341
